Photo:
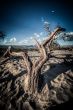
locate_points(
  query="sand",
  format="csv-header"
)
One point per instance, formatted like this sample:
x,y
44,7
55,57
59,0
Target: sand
x,y
57,83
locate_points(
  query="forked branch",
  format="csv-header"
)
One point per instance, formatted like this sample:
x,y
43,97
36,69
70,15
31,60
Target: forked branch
x,y
52,36
34,69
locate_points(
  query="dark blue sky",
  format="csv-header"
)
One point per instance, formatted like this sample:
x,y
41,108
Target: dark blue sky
x,y
22,18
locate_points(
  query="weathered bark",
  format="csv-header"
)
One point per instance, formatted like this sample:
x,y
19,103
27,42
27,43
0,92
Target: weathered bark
x,y
34,69
52,36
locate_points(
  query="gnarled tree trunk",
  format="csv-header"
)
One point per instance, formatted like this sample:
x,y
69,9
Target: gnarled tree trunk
x,y
34,69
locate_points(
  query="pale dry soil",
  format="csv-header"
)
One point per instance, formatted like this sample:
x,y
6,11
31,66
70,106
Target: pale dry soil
x,y
55,84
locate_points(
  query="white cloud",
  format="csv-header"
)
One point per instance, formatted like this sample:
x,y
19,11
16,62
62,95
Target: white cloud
x,y
37,35
25,41
20,42
46,22
31,38
41,33
39,40
52,11
5,41
43,38
12,40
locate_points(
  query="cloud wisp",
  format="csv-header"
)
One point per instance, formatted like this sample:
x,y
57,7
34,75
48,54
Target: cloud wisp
x,y
27,41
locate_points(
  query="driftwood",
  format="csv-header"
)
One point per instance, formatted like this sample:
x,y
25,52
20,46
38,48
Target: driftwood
x,y
34,69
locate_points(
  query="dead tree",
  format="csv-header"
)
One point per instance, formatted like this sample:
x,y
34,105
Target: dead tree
x,y
34,69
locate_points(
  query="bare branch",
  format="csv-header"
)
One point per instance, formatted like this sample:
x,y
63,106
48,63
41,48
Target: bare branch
x,y
28,62
48,41
38,45
7,53
23,55
52,36
41,52
43,60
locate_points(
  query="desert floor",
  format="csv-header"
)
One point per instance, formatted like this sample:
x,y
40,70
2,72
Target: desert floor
x,y
57,74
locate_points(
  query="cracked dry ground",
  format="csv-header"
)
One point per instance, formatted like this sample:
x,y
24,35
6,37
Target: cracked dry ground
x,y
56,82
